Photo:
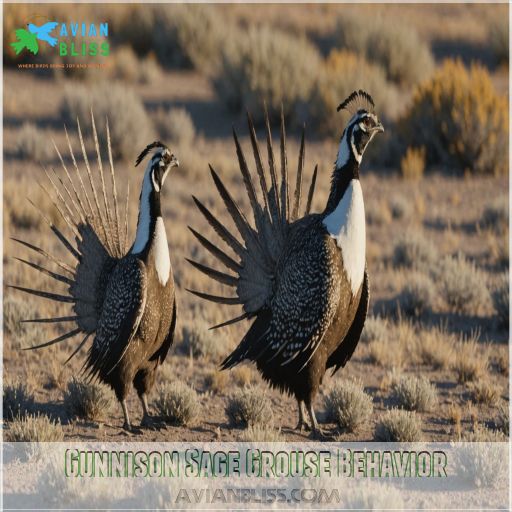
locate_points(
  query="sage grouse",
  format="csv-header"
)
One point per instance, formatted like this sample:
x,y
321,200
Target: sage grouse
x,y
123,297
302,279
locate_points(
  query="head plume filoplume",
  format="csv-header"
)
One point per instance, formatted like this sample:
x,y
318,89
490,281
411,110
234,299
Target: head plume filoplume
x,y
154,145
358,100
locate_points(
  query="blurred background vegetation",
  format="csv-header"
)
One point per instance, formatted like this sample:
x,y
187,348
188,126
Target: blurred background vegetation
x,y
438,74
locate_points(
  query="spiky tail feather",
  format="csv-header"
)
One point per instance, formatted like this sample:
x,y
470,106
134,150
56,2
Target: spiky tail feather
x,y
99,238
258,246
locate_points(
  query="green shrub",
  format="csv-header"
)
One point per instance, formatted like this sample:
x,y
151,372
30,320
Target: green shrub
x,y
130,126
460,119
33,144
177,403
342,73
462,285
394,46
87,400
264,64
348,405
249,407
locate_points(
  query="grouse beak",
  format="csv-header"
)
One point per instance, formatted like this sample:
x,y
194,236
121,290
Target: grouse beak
x,y
378,128
175,162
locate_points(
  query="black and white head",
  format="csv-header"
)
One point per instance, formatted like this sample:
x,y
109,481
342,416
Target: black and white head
x,y
160,164
361,128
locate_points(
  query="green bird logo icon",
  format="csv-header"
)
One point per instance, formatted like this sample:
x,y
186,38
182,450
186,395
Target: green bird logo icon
x,y
25,39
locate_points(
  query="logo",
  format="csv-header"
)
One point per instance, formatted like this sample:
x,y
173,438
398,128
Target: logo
x,y
73,39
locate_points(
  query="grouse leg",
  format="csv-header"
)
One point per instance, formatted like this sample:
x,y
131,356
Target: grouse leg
x,y
148,420
302,424
316,430
127,425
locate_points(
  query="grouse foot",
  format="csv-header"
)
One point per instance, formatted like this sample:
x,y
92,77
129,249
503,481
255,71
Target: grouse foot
x,y
302,426
130,429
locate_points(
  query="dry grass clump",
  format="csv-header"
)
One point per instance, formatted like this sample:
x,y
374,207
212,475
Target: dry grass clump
x,y
34,429
340,74
436,347
18,400
265,64
495,215
470,363
414,250
199,341
177,403
415,394
502,419
348,405
87,400
176,126
460,119
244,376
418,295
15,310
130,126
462,286
400,207
33,144
483,391
249,407
217,381
500,299
397,425
412,164
397,48
262,434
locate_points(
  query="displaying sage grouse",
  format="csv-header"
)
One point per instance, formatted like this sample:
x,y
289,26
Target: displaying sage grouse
x,y
122,296
302,279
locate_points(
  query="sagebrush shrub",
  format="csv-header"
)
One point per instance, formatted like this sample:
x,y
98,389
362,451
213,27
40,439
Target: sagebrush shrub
x,y
18,400
249,407
34,429
130,126
396,47
348,405
414,394
375,328
340,74
495,215
400,426
263,64
33,144
485,392
500,299
462,285
199,341
418,295
503,417
460,119
85,400
414,249
177,403
176,126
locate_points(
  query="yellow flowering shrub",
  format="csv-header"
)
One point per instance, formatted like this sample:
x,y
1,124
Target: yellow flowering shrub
x,y
460,119
341,73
